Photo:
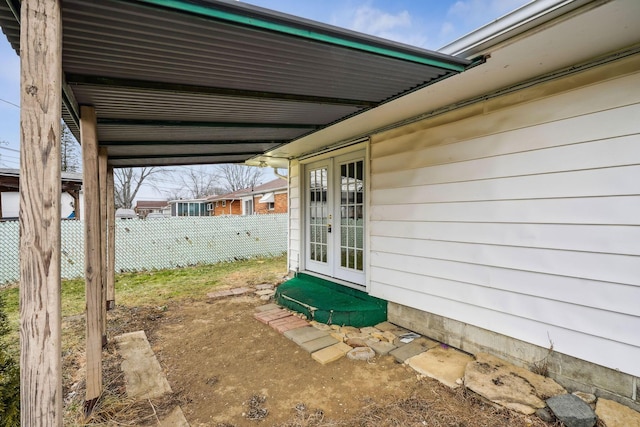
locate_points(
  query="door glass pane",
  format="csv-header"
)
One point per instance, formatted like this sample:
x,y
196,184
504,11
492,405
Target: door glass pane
x,y
351,213
318,210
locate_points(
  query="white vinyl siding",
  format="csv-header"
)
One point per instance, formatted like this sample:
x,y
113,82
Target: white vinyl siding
x,y
523,220
294,216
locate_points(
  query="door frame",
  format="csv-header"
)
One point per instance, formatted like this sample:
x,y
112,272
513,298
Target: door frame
x,y
364,147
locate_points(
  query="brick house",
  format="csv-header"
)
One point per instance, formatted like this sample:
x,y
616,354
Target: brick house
x,y
267,198
145,207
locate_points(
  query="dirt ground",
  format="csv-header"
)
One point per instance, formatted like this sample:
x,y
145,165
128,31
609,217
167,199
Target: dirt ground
x,y
227,369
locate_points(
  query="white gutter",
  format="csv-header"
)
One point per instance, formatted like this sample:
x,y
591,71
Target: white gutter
x,y
510,25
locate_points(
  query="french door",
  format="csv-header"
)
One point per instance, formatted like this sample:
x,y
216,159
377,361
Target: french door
x,y
335,209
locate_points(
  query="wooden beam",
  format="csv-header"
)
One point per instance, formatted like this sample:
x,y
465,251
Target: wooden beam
x,y
111,241
92,255
102,176
40,312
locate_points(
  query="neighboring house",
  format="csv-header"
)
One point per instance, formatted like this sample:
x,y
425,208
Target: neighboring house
x,y
71,198
145,207
191,207
497,210
267,198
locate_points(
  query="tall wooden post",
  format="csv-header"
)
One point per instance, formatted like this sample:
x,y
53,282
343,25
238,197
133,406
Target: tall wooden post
x,y
102,176
92,254
40,189
111,241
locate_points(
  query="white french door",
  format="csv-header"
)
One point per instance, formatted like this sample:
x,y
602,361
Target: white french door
x,y
335,209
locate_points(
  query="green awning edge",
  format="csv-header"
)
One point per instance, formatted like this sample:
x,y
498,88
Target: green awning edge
x,y
308,34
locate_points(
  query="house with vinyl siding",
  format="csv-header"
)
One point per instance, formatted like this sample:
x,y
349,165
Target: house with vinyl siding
x,y
497,210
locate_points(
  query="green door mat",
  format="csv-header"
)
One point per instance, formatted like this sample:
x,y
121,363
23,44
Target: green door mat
x,y
331,303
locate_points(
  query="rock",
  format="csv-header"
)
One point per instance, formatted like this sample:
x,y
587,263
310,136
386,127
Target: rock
x,y
588,398
572,411
356,342
268,292
361,353
349,330
369,330
616,415
379,336
321,326
545,415
388,337
509,385
444,365
337,335
264,286
335,327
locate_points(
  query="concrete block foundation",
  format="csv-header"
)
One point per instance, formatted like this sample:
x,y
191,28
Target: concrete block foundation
x,y
572,373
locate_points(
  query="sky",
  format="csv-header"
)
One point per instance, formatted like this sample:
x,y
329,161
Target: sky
x,y
429,24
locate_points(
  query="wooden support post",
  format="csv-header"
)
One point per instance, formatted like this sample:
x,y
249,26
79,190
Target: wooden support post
x,y
102,176
40,189
111,241
92,255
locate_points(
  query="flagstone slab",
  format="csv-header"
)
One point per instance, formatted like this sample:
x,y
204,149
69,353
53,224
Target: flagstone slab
x,y
142,372
508,385
174,419
415,347
615,414
446,365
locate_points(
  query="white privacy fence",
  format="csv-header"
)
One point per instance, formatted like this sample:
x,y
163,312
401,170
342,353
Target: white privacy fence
x,y
161,243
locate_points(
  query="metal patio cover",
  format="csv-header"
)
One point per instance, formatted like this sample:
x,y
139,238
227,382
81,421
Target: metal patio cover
x,y
203,82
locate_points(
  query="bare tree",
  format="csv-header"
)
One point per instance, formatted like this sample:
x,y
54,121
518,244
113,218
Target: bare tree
x,y
70,158
128,181
195,183
237,177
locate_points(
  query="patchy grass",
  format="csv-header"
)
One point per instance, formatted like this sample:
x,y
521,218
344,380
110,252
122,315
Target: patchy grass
x,y
158,287
155,287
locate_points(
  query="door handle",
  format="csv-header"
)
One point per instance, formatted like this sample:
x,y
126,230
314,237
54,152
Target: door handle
x,y
328,228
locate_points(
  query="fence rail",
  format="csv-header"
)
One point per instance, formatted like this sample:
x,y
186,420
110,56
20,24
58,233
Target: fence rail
x,y
161,243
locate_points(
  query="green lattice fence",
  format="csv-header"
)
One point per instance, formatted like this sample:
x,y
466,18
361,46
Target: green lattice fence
x,y
161,243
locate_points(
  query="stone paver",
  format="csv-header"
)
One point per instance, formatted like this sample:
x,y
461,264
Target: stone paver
x,y
267,316
415,347
331,353
369,330
267,307
240,291
142,372
302,335
264,286
572,411
318,344
615,414
220,294
174,419
508,385
386,326
380,347
265,292
443,364
288,323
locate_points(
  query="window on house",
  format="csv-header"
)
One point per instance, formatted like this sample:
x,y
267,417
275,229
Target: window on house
x,y
271,206
224,203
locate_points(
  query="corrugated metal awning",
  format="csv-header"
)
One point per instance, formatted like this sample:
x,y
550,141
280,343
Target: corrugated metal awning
x,y
204,81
